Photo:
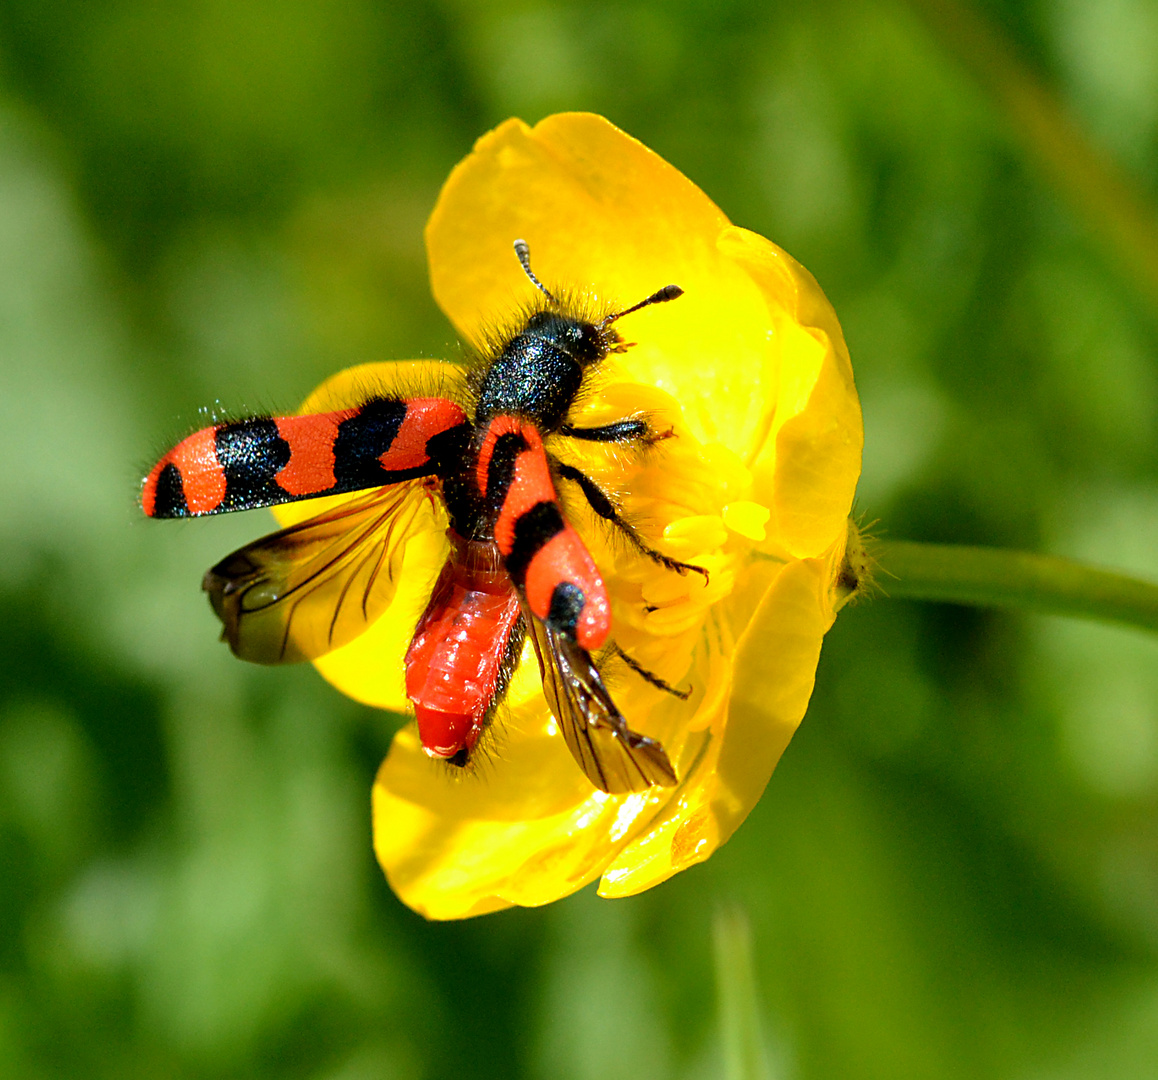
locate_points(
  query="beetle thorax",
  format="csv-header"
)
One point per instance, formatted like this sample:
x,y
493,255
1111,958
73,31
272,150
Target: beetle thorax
x,y
540,370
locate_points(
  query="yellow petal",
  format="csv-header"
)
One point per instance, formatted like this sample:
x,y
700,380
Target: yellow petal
x,y
604,214
523,827
809,463
773,669
748,518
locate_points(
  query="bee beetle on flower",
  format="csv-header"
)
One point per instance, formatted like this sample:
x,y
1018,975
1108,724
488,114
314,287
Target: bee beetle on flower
x,y
618,530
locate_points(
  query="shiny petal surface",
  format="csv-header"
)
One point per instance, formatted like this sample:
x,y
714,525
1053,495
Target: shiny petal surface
x,y
773,668
808,465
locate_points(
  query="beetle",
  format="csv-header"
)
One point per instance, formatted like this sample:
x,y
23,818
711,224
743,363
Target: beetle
x,y
515,566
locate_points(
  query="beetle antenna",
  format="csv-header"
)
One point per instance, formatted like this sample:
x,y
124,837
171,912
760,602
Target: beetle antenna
x,y
660,296
522,249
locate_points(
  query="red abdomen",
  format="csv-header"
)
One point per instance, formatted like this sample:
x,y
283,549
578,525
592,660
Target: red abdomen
x,y
455,664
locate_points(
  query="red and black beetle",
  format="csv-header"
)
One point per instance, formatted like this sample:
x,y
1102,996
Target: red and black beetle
x,y
515,564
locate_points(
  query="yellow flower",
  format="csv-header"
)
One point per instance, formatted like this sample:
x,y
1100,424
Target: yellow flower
x,y
750,371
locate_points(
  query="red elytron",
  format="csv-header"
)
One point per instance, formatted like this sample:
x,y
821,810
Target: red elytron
x,y
515,564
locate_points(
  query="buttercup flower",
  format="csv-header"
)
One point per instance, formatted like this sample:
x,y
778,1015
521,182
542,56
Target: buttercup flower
x,y
750,372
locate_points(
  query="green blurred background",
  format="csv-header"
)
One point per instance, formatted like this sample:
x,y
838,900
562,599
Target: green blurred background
x,y
207,204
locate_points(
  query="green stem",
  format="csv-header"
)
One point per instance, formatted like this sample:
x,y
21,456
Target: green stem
x,y
740,1027
990,577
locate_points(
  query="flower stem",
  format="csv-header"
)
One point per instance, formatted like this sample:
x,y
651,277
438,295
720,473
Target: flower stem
x,y
991,577
741,1030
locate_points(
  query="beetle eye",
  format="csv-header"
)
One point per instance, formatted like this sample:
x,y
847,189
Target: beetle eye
x,y
592,345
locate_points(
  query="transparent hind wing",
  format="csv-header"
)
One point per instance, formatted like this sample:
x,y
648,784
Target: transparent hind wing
x,y
615,758
306,590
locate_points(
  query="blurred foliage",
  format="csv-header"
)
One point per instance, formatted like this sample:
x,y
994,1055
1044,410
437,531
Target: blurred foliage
x,y
214,205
